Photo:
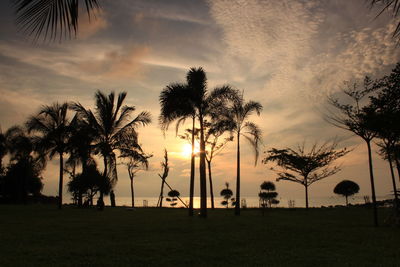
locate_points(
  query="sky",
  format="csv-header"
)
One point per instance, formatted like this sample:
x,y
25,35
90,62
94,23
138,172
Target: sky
x,y
288,55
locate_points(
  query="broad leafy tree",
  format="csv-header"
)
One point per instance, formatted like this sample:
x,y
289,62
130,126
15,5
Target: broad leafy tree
x,y
305,167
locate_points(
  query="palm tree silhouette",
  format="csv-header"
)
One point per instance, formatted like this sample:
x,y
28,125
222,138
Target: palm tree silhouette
x,y
51,17
112,124
181,101
237,116
53,127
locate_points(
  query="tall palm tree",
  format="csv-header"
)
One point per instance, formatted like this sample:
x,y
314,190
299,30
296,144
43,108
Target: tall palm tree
x,y
112,125
53,126
237,115
52,18
181,101
177,105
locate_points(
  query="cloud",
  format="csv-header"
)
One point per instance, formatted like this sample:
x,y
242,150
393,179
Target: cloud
x,y
118,63
89,26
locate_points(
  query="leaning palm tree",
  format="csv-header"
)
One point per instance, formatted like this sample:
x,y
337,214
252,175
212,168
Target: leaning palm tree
x,y
237,115
112,126
53,126
51,18
193,100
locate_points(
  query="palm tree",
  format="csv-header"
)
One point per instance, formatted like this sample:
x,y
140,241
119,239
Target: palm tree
x,y
51,17
53,126
181,101
112,126
177,105
237,115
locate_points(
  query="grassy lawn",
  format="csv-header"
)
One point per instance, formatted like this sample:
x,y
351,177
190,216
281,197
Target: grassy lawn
x,y
39,235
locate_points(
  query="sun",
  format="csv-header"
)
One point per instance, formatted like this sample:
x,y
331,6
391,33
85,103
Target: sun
x,y
187,149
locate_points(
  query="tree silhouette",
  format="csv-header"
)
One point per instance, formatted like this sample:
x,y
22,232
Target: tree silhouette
x,y
3,147
346,188
52,18
227,194
267,194
236,117
163,176
112,124
304,167
136,160
387,126
53,126
360,120
173,197
214,145
181,101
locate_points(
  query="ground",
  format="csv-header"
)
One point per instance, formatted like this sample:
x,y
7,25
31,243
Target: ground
x,y
41,235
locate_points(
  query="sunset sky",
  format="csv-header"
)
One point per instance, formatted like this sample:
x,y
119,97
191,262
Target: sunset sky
x,y
288,55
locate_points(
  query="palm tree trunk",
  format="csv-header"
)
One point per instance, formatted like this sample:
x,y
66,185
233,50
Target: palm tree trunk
x,y
60,183
211,184
160,199
371,176
396,199
192,169
203,176
237,204
132,194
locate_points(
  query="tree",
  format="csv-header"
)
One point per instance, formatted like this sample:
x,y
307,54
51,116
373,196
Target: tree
x,y
113,127
236,116
267,194
214,131
52,18
52,125
387,126
163,176
23,175
3,147
360,120
181,101
227,194
173,197
346,188
136,160
304,167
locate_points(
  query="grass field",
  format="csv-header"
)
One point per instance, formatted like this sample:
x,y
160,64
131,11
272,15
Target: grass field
x,y
44,236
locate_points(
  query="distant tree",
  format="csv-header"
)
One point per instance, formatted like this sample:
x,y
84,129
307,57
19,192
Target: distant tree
x,y
89,183
173,197
304,167
227,194
346,188
112,123
53,126
163,176
136,160
267,194
360,120
51,18
236,115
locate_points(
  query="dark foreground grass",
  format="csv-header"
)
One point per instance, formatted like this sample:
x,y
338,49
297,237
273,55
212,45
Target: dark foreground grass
x,y
44,236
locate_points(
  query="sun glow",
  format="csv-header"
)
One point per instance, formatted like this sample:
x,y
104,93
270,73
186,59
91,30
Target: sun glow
x,y
187,149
